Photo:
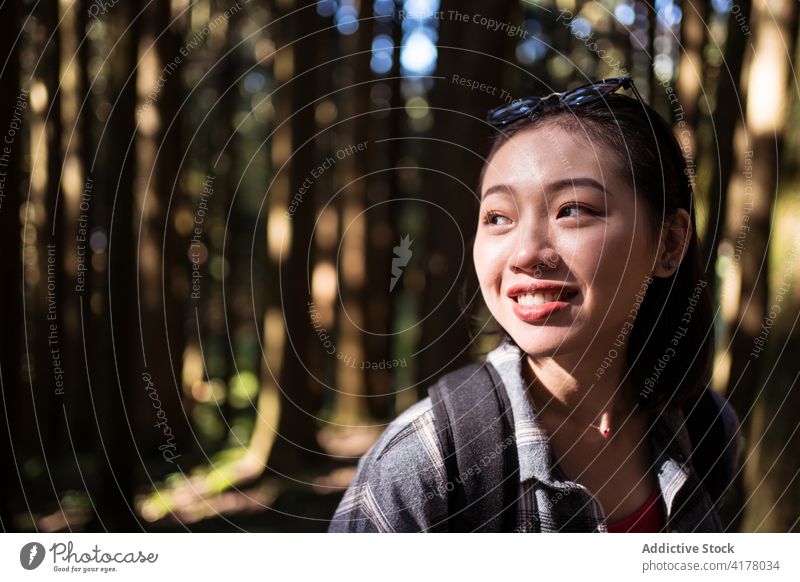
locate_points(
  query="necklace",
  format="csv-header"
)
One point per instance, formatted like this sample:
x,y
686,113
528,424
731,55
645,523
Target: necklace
x,y
604,427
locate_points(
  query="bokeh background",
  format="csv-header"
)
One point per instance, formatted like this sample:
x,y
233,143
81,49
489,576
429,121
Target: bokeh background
x,y
234,235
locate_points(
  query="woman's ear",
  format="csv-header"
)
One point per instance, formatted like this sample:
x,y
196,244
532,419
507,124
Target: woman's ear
x,y
675,237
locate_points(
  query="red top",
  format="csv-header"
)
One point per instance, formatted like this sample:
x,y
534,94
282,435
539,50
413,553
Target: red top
x,y
648,518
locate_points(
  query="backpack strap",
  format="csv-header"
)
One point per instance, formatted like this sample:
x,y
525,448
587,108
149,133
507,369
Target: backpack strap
x,y
475,425
713,431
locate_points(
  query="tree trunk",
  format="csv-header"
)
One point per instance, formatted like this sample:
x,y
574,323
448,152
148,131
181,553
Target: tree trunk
x,y
114,340
159,257
286,324
461,139
758,151
351,352
730,98
385,138
691,73
44,341
652,25
13,105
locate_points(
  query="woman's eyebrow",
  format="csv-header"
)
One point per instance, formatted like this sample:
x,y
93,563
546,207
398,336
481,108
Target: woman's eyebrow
x,y
499,189
552,187
569,183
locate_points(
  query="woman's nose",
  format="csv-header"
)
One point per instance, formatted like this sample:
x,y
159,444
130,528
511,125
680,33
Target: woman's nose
x,y
533,251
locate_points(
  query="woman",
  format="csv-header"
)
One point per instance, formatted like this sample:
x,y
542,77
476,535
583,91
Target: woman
x,y
587,258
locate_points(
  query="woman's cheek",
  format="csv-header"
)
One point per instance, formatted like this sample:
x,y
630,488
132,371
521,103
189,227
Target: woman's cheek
x,y
490,256
587,242
595,250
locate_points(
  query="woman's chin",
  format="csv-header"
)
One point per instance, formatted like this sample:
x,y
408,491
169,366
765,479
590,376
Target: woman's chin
x,y
542,343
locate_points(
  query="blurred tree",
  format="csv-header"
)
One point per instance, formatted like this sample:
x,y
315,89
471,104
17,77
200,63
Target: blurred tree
x,y
385,133
287,327
113,339
44,340
324,250
12,420
759,146
76,115
156,193
729,108
691,70
461,140
352,76
225,145
652,28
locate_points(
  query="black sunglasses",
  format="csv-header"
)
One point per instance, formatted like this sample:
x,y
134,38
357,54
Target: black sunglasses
x,y
506,114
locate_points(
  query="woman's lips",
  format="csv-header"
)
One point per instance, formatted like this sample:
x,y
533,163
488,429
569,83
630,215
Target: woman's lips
x,y
529,313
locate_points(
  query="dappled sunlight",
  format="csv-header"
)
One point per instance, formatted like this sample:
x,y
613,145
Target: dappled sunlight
x,y
187,495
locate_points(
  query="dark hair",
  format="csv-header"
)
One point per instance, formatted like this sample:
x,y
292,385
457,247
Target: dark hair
x,y
675,319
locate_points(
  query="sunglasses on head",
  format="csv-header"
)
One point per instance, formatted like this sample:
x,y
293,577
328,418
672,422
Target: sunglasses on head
x,y
506,114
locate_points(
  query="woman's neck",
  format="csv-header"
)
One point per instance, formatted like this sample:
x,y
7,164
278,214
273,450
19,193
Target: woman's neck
x,y
616,468
572,396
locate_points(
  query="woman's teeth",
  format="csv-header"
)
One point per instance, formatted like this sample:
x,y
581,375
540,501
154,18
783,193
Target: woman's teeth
x,y
541,298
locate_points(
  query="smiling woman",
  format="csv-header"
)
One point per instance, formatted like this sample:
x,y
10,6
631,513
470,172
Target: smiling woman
x,y
586,256
559,169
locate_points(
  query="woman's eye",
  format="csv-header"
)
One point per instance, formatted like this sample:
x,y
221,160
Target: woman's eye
x,y
573,210
496,219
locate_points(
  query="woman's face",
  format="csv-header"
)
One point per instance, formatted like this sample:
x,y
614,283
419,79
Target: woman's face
x,y
563,244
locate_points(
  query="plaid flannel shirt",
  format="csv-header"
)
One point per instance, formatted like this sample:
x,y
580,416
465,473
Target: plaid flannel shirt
x,y
400,484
